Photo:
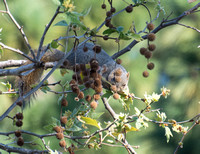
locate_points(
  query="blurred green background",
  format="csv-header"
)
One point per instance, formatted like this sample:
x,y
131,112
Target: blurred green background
x,y
177,64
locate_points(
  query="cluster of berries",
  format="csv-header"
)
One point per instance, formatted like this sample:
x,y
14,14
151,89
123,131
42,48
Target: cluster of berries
x,y
147,52
19,117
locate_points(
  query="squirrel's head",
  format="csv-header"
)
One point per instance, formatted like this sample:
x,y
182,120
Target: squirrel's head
x,y
120,78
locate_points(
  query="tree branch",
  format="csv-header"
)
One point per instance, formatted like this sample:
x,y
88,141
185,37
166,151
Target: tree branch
x,y
16,50
163,24
45,32
19,28
20,150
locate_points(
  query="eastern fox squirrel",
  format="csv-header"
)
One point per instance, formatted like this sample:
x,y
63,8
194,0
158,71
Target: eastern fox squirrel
x,y
111,72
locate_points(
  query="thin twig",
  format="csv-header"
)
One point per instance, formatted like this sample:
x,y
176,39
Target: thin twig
x,y
20,28
45,32
181,141
189,27
16,50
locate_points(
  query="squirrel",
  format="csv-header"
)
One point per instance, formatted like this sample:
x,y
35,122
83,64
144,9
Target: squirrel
x,y
111,72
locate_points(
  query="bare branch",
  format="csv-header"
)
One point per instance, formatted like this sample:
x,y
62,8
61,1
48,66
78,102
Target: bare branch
x,y
12,63
16,50
20,28
16,71
45,32
20,150
189,27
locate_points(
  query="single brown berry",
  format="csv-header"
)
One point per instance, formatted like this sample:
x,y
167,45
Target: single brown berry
x,y
118,72
108,20
109,14
93,73
116,96
18,133
145,74
97,82
85,49
98,89
150,66
93,105
20,141
150,26
19,116
64,102
19,123
103,6
82,67
62,143
119,61
57,129
59,136
118,78
143,50
105,37
110,26
148,54
75,89
63,119
94,64
113,10
151,36
76,76
97,48
88,98
129,8
72,82
81,95
113,88
152,47
96,97
66,63
76,68
19,103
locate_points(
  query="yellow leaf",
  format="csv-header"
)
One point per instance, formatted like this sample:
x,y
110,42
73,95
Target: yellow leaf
x,y
89,121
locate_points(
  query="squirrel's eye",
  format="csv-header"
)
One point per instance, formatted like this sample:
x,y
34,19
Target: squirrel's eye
x,y
123,85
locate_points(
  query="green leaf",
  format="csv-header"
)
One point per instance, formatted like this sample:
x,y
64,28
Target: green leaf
x,y
137,37
1,51
120,29
8,86
95,115
61,23
107,94
74,128
86,11
168,133
63,72
131,129
109,31
123,36
58,2
45,89
89,121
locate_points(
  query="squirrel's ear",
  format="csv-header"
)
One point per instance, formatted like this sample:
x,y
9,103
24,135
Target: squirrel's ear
x,y
127,75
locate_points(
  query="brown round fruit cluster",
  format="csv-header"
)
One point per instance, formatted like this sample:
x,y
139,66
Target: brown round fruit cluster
x,y
147,52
